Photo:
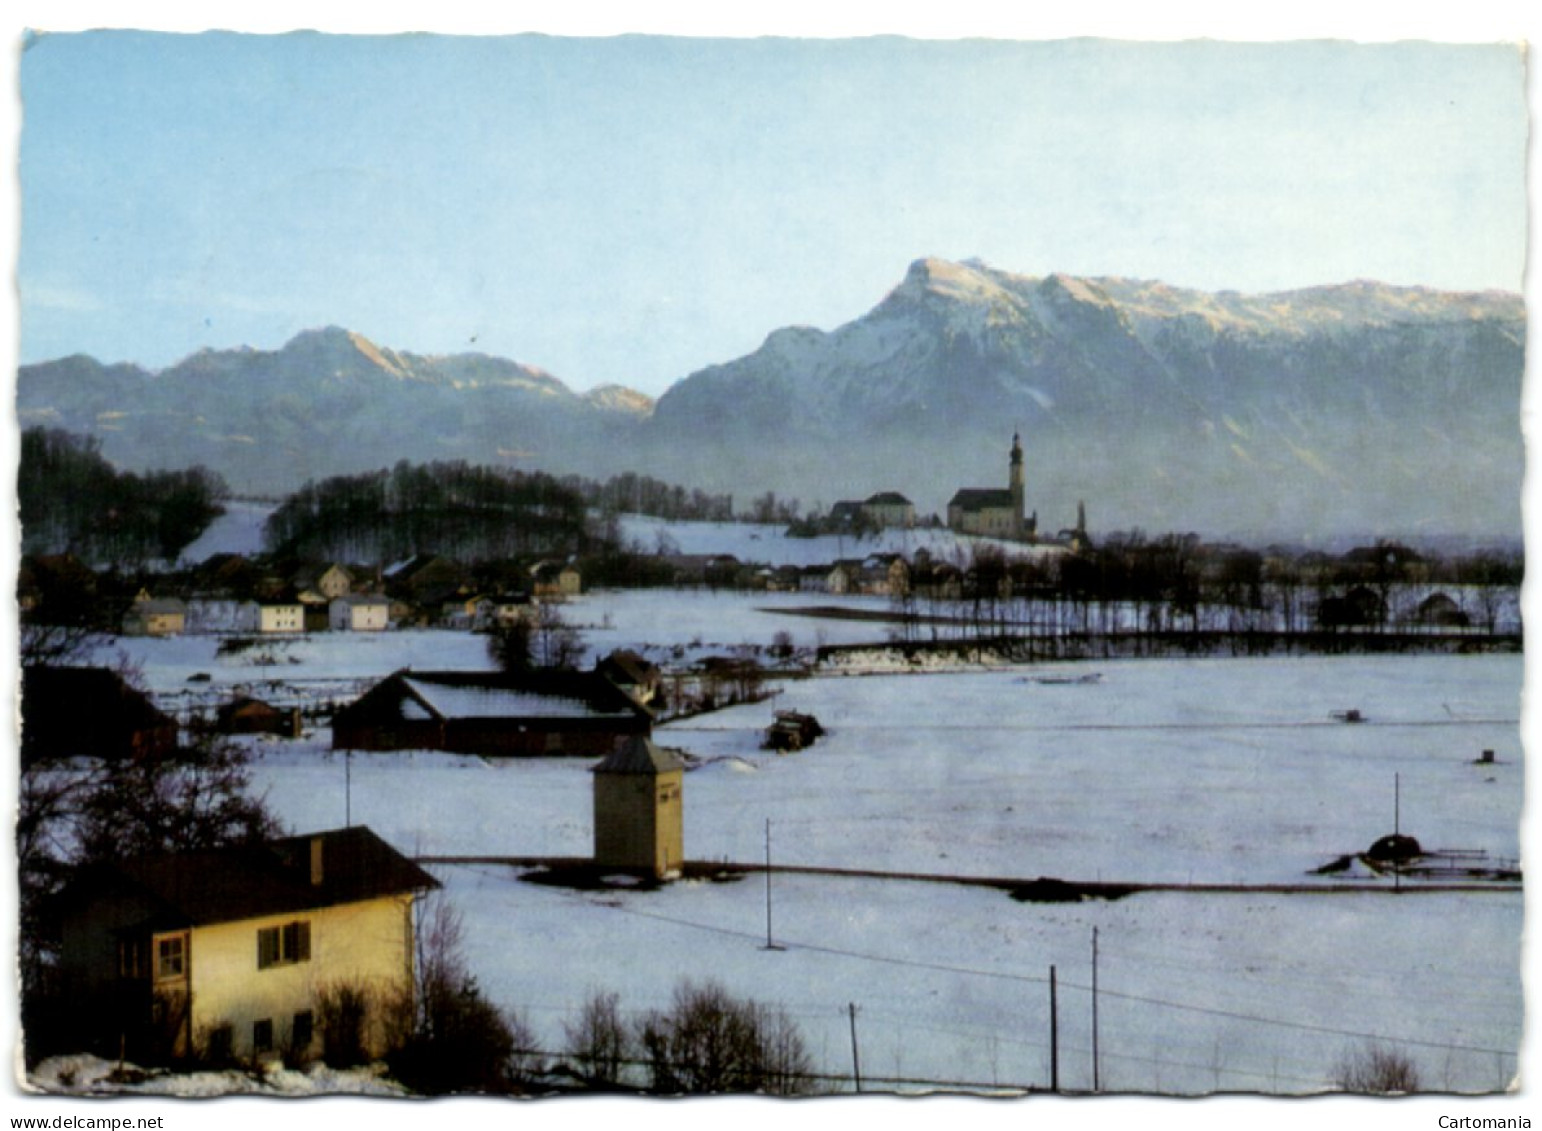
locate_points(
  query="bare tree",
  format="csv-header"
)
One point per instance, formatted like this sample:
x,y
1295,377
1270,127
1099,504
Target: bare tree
x,y
713,1042
599,1041
459,1041
1375,1069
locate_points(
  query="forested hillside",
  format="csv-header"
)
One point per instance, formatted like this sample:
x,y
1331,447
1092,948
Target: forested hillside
x,y
73,500
462,511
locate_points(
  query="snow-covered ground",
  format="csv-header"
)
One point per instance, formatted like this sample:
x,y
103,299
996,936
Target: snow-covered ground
x,y
769,544
239,531
1203,771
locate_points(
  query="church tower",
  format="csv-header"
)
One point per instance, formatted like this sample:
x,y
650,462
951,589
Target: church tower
x,y
1015,485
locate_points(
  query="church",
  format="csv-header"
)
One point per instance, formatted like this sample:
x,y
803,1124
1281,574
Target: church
x,y
992,511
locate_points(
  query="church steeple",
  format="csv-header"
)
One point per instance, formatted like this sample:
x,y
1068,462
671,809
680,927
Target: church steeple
x,y
1015,483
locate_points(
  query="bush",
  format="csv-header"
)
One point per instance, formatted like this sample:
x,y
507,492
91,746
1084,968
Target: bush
x,y
342,1011
599,1042
1377,1070
713,1042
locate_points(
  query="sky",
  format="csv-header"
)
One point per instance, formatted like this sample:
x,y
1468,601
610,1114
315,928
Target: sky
x,y
630,209
152,220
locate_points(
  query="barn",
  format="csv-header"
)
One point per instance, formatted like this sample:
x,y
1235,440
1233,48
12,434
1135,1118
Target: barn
x,y
557,713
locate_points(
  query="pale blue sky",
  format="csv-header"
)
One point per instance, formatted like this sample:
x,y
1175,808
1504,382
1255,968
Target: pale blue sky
x,y
631,209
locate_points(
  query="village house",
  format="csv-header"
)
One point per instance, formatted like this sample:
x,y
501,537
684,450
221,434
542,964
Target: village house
x,y
465,612
555,580
884,575
277,618
814,579
83,712
639,810
327,582
508,609
155,616
216,614
359,612
425,581
632,674
843,577
889,508
226,953
492,713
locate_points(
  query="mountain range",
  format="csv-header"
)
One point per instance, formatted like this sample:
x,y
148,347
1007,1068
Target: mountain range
x,y
1358,408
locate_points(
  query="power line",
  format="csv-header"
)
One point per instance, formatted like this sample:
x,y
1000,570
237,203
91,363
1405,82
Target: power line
x,y
1032,979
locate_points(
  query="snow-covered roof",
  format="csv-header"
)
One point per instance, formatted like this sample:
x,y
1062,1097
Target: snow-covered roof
x,y
468,701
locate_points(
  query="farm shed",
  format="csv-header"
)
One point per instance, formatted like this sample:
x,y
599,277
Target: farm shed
x,y
492,713
246,715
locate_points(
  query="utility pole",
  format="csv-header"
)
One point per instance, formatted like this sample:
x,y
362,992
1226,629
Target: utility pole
x,y
856,1063
1397,829
1054,1036
769,944
1094,1009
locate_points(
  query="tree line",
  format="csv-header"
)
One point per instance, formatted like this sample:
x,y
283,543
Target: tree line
x,y
463,511
73,500
631,493
1176,587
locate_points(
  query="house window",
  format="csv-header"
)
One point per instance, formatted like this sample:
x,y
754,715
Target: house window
x,y
301,1030
171,957
284,946
262,1035
221,1045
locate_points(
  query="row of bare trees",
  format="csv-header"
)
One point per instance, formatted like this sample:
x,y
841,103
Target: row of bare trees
x,y
1131,585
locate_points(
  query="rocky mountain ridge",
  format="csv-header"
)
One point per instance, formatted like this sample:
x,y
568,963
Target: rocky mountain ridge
x,y
1361,406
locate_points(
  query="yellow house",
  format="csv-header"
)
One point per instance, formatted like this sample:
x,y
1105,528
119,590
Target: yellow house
x,y
243,952
554,579
639,810
278,618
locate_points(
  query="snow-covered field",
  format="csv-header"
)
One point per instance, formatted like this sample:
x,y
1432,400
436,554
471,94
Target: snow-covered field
x,y
239,531
1164,770
770,545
